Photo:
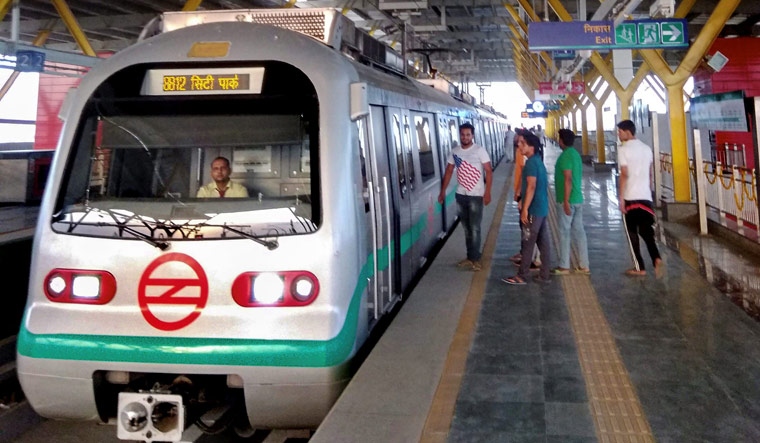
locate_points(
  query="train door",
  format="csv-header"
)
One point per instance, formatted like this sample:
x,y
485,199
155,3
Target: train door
x,y
444,148
379,208
402,192
450,203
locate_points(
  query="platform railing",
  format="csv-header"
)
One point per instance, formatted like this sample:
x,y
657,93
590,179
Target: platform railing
x,y
666,174
731,192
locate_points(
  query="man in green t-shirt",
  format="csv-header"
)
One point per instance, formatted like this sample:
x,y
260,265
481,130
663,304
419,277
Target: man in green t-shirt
x,y
567,184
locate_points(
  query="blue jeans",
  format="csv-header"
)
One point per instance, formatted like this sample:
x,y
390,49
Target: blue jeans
x,y
470,214
571,227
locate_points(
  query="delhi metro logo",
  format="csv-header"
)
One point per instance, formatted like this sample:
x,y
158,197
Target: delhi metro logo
x,y
176,287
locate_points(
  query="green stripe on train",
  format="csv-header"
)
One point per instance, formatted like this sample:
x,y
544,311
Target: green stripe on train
x,y
216,351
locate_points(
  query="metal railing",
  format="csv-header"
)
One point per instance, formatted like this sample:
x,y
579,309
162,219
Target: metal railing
x,y
731,191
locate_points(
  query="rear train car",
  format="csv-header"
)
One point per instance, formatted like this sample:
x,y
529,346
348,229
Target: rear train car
x,y
153,308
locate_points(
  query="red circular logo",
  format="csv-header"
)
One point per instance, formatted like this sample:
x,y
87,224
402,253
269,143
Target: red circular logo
x,y
168,281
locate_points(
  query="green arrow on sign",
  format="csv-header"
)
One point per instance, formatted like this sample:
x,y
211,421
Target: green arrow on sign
x,y
672,33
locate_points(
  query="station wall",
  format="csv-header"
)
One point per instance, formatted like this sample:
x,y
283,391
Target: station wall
x,y
741,72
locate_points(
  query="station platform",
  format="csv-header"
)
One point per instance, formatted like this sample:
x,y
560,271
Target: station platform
x,y
603,357
17,223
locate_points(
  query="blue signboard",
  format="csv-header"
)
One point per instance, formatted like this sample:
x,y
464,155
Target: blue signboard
x,y
603,35
568,54
30,61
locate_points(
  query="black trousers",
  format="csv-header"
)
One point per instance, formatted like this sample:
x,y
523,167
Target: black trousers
x,y
639,221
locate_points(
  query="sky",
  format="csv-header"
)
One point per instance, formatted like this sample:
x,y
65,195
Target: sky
x,y
20,103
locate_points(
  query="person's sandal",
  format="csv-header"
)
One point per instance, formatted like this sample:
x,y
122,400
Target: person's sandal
x,y
476,266
466,263
584,271
515,280
635,273
560,271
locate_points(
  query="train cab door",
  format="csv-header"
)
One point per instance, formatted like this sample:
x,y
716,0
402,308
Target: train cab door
x,y
403,190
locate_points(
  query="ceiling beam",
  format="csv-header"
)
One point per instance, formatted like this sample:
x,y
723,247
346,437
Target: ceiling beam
x,y
86,23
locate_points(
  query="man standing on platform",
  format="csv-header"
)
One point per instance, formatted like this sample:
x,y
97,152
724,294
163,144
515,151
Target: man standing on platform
x,y
635,196
567,185
534,209
472,164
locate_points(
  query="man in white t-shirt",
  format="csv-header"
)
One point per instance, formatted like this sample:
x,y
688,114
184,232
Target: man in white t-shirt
x,y
635,195
472,164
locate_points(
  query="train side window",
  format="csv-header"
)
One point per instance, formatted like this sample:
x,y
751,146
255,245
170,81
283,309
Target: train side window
x,y
445,140
409,158
361,125
399,155
424,147
454,132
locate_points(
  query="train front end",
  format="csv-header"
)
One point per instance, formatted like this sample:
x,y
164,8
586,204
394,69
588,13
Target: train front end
x,y
145,290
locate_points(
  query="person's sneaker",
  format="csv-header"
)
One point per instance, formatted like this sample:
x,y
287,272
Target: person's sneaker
x,y
476,266
466,263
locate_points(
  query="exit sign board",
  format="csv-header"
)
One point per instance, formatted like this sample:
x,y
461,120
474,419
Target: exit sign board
x,y
561,88
603,35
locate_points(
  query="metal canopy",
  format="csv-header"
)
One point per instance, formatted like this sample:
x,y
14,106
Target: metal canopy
x,y
467,40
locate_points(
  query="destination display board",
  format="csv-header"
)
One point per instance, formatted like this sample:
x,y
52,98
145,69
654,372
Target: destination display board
x,y
719,112
666,33
203,81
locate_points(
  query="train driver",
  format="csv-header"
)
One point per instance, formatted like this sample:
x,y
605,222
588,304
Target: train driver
x,y
222,186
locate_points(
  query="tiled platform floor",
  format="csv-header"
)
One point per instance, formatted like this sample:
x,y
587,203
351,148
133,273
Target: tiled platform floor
x,y
691,354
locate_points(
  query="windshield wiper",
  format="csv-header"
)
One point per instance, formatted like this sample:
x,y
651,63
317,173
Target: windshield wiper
x,y
162,245
270,244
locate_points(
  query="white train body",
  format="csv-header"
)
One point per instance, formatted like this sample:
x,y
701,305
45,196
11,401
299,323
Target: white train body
x,y
116,298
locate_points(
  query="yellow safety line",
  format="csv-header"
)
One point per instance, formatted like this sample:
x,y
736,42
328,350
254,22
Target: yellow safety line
x,y
615,408
441,411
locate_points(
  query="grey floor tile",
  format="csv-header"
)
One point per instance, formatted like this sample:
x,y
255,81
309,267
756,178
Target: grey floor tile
x,y
502,388
504,364
557,364
467,436
565,389
569,419
490,417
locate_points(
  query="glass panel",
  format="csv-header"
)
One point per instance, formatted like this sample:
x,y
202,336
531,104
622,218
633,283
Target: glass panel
x,y
360,125
427,164
399,154
454,132
409,159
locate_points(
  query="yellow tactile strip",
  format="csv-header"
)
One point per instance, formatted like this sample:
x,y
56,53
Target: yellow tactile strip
x,y
444,402
615,407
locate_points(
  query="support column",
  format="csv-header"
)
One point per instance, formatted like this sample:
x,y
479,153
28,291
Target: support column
x,y
677,119
584,130
574,118
601,155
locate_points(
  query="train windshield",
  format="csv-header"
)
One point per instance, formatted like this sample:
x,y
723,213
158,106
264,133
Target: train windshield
x,y
193,167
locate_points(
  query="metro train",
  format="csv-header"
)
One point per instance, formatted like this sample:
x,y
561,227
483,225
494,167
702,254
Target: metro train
x,y
151,308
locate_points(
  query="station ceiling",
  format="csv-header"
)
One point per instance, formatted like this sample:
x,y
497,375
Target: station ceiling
x,y
468,40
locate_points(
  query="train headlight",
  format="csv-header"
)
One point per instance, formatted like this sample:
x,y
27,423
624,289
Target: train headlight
x,y
57,285
267,288
86,286
302,288
134,417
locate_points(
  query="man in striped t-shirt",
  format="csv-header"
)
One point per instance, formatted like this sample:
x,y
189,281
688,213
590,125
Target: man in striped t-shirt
x,y
472,164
